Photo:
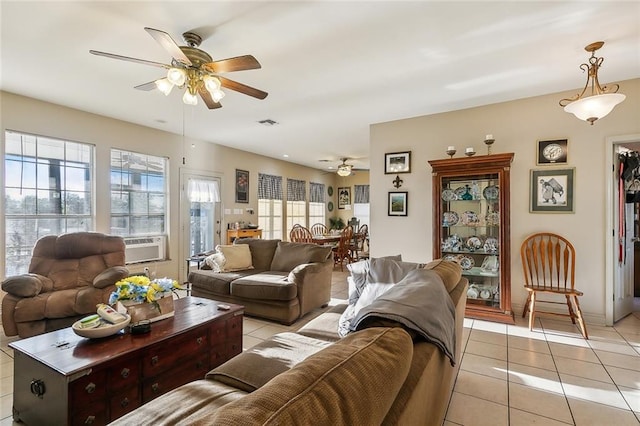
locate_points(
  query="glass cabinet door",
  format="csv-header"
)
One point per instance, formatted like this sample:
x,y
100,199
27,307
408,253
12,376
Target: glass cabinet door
x,y
471,234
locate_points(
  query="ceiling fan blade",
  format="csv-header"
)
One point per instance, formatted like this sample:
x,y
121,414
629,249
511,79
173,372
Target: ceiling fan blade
x,y
127,58
147,86
168,44
239,63
242,88
208,100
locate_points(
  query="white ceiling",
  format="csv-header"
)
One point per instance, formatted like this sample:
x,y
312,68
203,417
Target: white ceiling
x,y
331,68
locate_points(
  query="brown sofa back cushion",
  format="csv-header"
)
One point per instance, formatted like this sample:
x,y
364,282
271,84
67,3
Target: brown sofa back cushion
x,y
262,251
330,386
75,259
450,272
289,255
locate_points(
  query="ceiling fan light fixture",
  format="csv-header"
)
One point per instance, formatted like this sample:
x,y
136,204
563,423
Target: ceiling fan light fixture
x,y
344,170
177,76
189,98
602,99
164,85
217,95
211,83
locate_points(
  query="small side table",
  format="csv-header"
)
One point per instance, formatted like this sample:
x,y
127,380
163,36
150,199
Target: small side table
x,y
197,259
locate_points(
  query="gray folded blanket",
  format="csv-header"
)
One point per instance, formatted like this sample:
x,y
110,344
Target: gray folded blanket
x,y
420,303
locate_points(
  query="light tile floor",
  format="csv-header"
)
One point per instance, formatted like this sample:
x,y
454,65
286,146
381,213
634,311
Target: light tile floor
x,y
508,375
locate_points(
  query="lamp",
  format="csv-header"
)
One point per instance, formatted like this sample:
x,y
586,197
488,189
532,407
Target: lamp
x,y
344,170
193,81
601,100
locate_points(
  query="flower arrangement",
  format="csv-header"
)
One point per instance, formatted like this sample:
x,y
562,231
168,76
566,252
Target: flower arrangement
x,y
139,289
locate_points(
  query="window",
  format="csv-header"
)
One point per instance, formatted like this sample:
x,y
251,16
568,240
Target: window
x,y
270,205
48,190
204,203
296,203
361,204
316,203
138,193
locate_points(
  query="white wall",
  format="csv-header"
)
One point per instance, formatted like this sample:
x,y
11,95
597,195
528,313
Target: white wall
x,y
516,126
22,114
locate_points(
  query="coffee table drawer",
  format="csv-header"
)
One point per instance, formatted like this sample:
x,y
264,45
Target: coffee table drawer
x,y
167,354
123,402
90,387
124,374
90,414
187,371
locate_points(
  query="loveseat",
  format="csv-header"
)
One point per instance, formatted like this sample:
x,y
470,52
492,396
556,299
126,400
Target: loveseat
x,y
279,281
384,373
68,276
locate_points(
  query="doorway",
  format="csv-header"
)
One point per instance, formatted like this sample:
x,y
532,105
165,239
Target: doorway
x,y
620,235
201,215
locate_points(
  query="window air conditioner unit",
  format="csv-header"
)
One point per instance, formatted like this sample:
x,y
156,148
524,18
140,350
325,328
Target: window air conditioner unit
x,y
144,249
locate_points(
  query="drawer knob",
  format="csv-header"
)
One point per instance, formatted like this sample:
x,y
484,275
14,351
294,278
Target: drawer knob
x,y
155,387
89,420
90,388
199,340
124,402
125,373
154,360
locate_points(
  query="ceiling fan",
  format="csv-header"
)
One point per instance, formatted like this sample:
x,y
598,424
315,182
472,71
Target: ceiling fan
x,y
343,169
195,70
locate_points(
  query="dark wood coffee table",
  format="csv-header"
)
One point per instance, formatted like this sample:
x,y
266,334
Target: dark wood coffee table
x,y
61,378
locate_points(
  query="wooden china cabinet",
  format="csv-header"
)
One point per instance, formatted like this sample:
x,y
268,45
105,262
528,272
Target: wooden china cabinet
x,y
471,227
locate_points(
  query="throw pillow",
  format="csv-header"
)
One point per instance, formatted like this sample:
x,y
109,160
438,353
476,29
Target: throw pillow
x,y
236,258
215,262
289,255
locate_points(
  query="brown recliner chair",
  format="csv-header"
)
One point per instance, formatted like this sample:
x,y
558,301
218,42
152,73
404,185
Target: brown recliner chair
x,y
68,276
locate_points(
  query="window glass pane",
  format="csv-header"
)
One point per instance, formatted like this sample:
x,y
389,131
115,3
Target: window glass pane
x,y
139,191
120,225
62,172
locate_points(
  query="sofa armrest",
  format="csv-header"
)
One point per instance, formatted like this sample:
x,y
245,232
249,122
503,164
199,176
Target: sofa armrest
x,y
110,276
313,281
26,285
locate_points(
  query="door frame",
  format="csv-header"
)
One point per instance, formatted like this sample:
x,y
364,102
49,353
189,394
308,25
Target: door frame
x,y
610,230
185,174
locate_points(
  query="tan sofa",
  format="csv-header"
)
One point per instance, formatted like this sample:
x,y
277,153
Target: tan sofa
x,y
287,280
68,276
377,375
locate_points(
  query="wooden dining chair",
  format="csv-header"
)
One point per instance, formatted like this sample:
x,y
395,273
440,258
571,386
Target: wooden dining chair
x,y
548,261
300,234
359,239
342,251
319,229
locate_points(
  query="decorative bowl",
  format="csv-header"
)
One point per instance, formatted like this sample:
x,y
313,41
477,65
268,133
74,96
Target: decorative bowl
x,y
103,330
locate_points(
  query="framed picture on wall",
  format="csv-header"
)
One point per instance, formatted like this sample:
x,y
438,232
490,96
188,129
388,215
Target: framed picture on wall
x,y
552,152
552,191
242,186
344,197
397,203
397,162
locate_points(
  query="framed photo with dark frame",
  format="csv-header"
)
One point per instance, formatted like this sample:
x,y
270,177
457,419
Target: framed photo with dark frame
x,y
552,152
397,162
242,186
344,197
398,203
552,191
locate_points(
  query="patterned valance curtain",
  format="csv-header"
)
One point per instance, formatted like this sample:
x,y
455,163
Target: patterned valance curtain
x,y
316,192
361,195
296,190
203,191
269,187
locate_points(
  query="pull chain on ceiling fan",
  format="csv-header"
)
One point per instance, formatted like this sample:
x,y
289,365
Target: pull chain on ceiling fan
x,y
194,70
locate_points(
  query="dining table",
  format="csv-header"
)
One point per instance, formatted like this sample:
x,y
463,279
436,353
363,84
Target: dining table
x,y
326,239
